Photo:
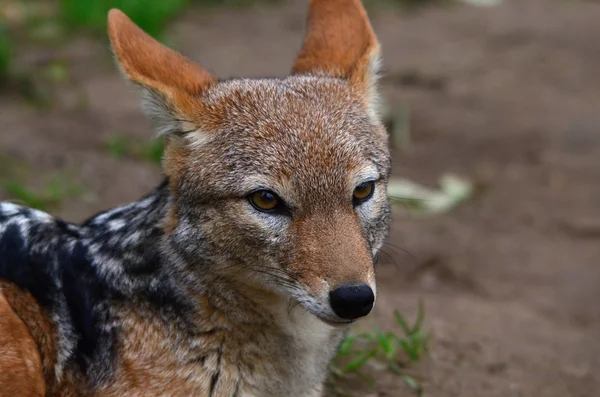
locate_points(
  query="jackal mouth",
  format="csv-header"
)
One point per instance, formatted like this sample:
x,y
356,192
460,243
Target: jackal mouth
x,y
335,323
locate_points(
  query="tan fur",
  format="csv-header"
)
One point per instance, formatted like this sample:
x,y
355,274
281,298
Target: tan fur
x,y
313,137
336,253
21,371
26,328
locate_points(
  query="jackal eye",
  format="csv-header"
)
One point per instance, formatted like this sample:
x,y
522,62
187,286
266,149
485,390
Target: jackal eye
x,y
264,200
363,192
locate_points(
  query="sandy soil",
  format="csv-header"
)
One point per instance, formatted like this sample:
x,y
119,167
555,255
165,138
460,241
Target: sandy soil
x,y
508,96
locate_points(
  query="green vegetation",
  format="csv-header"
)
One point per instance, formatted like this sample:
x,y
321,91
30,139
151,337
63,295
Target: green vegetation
x,y
15,182
405,5
119,147
50,197
153,151
92,13
365,352
5,52
419,3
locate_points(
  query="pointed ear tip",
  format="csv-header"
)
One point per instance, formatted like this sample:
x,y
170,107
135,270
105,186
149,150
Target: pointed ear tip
x,y
116,20
114,14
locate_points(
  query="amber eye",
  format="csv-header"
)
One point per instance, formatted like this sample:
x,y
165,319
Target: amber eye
x,y
363,192
264,200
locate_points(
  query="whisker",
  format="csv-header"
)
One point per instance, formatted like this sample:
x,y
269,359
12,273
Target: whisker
x,y
391,257
282,279
408,199
381,250
405,251
292,304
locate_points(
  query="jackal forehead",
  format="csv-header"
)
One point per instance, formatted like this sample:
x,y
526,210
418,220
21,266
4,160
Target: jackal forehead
x,y
295,105
309,132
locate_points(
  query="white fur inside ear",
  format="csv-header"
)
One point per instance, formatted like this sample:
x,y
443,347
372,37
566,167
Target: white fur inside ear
x,y
159,111
168,122
373,98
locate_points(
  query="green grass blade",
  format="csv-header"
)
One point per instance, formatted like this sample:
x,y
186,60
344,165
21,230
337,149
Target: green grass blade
x,y
402,322
420,317
346,345
25,197
357,363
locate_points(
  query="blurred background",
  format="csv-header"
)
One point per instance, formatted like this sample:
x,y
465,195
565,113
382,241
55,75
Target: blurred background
x,y
493,108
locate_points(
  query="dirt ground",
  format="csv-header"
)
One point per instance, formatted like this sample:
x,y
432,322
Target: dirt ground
x,y
508,96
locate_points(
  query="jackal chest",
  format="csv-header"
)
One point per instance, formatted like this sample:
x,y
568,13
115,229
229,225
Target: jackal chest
x,y
242,362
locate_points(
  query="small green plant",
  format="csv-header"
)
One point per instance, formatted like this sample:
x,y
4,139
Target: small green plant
x,y
153,151
150,16
407,5
380,350
420,3
119,147
5,52
58,189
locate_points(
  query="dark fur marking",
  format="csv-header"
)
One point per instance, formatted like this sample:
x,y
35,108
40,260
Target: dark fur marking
x,y
84,293
209,332
22,267
215,377
197,360
67,228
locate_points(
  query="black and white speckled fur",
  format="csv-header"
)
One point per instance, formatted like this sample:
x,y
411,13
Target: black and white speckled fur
x,y
75,271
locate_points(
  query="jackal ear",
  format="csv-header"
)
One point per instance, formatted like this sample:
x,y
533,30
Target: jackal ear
x,y
173,82
340,42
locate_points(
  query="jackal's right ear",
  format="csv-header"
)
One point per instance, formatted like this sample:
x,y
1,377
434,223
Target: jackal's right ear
x,y
340,42
173,81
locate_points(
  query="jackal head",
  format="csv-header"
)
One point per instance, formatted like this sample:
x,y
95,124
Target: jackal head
x,y
279,182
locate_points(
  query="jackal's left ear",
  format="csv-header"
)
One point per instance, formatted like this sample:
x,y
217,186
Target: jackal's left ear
x,y
173,81
340,42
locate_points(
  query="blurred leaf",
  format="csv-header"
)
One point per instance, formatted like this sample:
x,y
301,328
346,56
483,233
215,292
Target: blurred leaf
x,y
20,194
454,190
117,147
46,31
58,189
401,134
153,151
483,3
58,72
412,383
5,52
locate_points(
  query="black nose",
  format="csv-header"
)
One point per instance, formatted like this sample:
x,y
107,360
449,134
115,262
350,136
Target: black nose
x,y
352,301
